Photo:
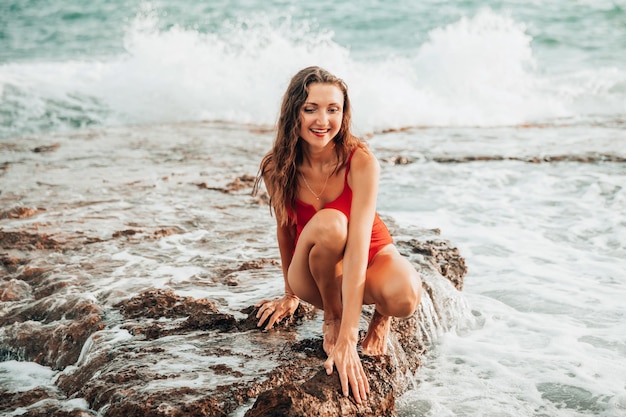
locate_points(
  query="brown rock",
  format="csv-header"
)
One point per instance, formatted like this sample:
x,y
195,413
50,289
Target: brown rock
x,y
180,402
243,182
321,396
156,303
117,376
50,332
19,213
9,401
14,290
47,148
209,320
445,258
51,309
56,345
27,241
11,263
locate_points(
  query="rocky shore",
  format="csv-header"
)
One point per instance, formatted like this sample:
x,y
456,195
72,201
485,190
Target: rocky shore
x,y
150,349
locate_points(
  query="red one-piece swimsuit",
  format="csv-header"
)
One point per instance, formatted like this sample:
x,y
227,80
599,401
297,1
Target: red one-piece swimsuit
x,y
380,234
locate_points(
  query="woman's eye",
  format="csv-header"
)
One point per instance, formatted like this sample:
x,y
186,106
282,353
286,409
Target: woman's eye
x,y
309,110
333,110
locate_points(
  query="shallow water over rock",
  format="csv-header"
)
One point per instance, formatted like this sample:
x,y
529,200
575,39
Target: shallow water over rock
x,y
131,259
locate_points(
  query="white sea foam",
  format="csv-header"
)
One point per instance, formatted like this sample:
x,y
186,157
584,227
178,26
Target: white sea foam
x,y
545,249
480,70
23,376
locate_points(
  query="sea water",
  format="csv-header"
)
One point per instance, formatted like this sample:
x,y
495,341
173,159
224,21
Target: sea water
x,y
506,81
66,65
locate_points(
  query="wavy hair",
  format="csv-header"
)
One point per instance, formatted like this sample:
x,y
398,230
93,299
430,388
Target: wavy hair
x,y
279,167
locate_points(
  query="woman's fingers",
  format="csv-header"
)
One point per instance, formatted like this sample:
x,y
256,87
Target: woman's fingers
x,y
260,303
273,311
275,318
343,379
355,387
269,313
366,383
351,374
328,365
357,380
363,386
266,309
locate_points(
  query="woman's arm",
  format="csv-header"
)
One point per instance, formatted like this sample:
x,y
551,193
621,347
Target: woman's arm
x,y
273,311
363,180
286,236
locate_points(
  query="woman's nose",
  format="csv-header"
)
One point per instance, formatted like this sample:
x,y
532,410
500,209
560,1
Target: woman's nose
x,y
322,118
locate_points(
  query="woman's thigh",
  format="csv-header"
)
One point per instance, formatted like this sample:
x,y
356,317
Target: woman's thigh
x,y
392,283
325,234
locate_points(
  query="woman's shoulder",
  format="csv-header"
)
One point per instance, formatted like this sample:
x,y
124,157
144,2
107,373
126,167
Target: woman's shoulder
x,y
364,160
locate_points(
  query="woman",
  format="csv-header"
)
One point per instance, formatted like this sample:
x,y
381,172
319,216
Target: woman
x,y
336,252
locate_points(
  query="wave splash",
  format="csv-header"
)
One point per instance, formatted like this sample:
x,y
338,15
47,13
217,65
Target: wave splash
x,y
478,71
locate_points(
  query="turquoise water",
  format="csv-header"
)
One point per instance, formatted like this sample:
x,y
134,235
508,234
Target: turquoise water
x,y
545,243
587,32
68,64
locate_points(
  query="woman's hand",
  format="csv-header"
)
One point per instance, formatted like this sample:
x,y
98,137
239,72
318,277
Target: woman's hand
x,y
275,310
351,374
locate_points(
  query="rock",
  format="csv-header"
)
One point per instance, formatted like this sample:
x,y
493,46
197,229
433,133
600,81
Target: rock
x,y
118,376
76,294
46,148
179,402
11,263
19,213
38,402
445,258
13,290
49,332
56,345
243,182
321,396
26,241
12,400
156,303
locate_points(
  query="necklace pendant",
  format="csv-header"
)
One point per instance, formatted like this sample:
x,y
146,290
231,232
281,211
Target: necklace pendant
x,y
317,196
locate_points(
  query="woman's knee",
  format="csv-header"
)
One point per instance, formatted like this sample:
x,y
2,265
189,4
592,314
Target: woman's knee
x,y
400,288
328,229
409,299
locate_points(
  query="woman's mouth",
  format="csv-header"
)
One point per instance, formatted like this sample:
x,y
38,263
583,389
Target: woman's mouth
x,y
320,132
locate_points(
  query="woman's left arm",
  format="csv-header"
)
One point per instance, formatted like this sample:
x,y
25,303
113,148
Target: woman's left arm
x,y
363,180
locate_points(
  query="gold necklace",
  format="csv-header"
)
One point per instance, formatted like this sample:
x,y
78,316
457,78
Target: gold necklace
x,y
317,196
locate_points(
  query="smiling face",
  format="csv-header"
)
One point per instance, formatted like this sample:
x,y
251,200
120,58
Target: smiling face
x,y
321,115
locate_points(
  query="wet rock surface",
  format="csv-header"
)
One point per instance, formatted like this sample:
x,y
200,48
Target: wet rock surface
x,y
588,158
320,396
445,258
128,378
120,284
26,241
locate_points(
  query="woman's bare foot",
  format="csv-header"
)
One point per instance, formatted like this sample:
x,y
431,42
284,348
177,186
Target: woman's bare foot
x,y
330,329
375,342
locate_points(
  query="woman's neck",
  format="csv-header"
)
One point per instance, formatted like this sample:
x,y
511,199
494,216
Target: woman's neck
x,y
319,159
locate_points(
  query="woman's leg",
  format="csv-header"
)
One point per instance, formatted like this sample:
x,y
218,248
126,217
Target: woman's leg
x,y
394,286
315,271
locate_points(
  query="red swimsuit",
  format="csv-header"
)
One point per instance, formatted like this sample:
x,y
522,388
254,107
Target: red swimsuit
x,y
380,234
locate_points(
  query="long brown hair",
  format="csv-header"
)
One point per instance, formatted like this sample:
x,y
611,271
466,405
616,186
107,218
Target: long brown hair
x,y
279,168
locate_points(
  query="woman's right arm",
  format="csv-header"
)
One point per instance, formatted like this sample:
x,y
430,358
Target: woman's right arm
x,y
273,311
286,236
